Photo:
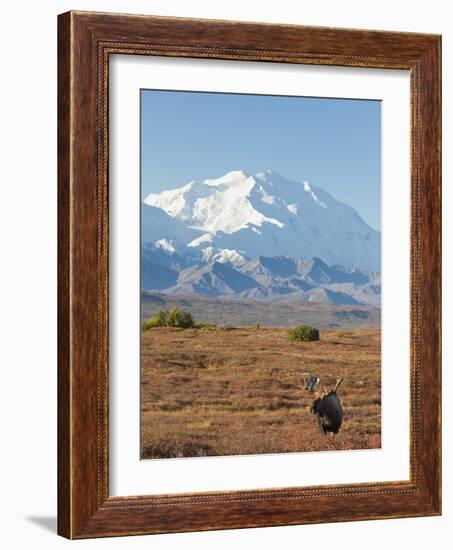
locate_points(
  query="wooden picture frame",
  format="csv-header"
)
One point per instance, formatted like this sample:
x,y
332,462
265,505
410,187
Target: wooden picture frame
x,y
85,42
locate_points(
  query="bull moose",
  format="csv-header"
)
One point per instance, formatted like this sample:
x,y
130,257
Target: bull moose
x,y
326,406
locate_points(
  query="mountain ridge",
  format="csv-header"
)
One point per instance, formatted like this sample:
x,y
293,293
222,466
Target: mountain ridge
x,y
261,278
262,214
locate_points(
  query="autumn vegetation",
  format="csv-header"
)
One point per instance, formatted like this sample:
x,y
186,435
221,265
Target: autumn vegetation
x,y
208,390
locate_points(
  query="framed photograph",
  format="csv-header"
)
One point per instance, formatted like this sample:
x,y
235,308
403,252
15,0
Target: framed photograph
x,y
249,275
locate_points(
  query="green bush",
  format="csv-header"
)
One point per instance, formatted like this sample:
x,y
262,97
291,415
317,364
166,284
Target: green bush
x,y
177,318
340,334
158,320
303,333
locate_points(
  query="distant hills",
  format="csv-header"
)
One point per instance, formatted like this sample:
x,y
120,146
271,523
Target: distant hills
x,y
261,278
231,312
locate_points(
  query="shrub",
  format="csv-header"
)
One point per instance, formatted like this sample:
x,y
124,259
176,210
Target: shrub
x,y
303,333
177,318
158,320
340,334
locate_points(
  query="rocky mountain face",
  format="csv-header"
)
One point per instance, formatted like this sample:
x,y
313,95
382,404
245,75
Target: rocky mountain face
x,y
262,278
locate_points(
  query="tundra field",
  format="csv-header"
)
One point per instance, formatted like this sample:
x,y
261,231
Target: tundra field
x,y
231,391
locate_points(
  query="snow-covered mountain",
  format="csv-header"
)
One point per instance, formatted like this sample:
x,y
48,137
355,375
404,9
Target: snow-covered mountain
x,y
158,226
239,216
258,237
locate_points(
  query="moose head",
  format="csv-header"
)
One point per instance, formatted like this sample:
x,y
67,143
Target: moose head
x,y
311,383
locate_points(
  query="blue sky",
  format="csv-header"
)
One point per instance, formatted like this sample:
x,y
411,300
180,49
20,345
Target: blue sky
x,y
333,143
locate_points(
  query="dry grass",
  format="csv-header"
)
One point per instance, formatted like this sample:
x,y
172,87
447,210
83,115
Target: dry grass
x,y
239,391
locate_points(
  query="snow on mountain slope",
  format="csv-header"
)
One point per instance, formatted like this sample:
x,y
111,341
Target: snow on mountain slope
x,y
158,226
223,256
264,215
213,205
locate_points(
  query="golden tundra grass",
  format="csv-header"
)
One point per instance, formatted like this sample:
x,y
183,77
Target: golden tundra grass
x,y
237,391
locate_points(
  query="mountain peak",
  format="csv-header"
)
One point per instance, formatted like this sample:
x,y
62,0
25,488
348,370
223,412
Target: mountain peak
x,y
268,215
234,177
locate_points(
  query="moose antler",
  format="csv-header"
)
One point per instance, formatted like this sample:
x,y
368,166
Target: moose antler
x,y
337,385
